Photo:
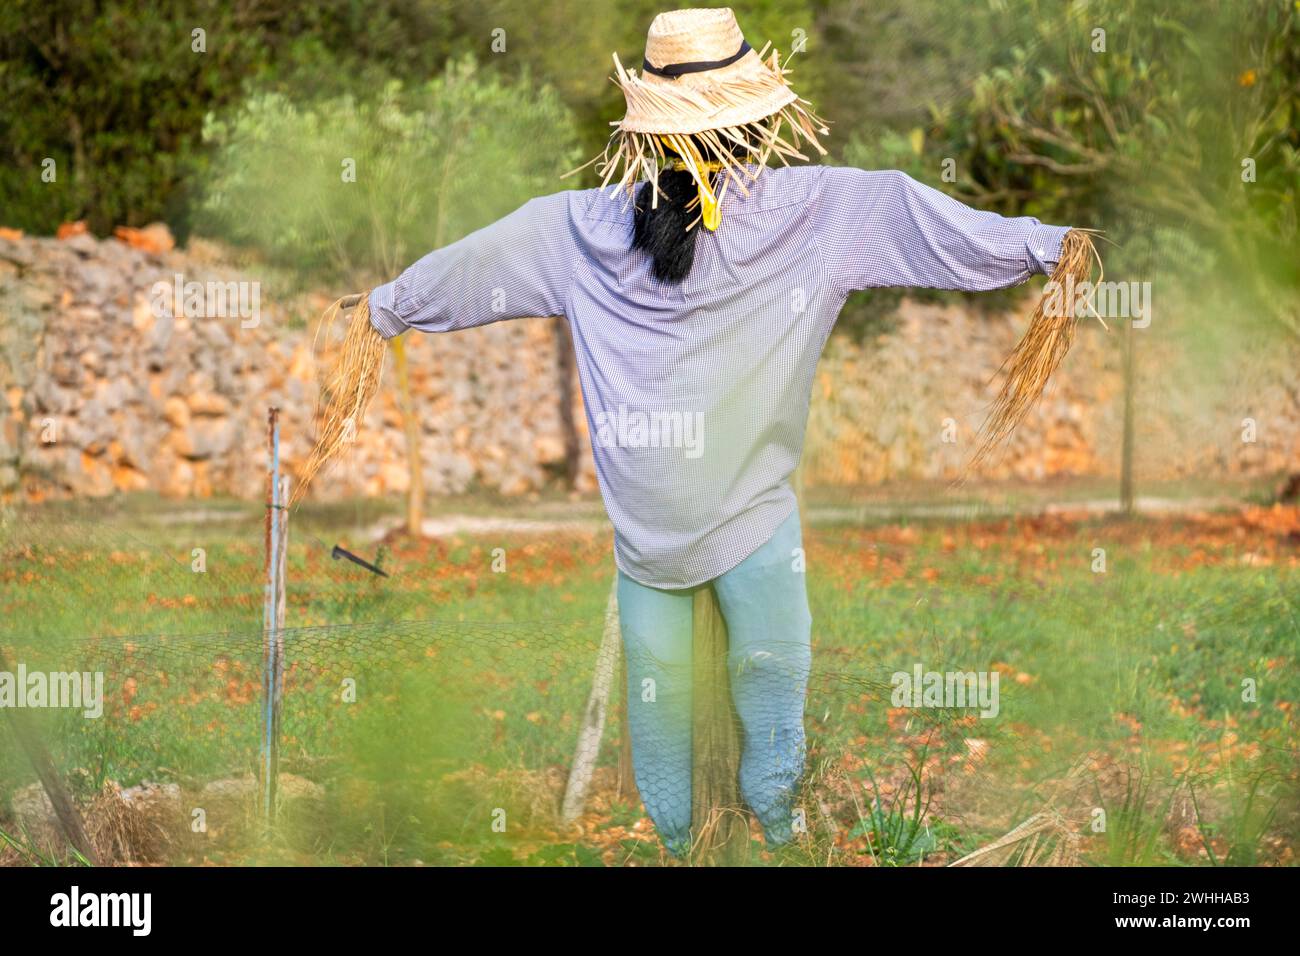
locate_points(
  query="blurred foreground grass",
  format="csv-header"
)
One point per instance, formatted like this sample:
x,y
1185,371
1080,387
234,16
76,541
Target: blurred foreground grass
x,y
1121,691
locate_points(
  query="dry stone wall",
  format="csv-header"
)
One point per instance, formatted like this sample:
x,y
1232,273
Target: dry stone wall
x,y
104,393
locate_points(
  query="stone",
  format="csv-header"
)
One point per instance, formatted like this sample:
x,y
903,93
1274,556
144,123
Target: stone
x,y
178,404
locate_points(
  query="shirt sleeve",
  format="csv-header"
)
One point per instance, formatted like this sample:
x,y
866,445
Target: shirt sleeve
x,y
520,266
883,228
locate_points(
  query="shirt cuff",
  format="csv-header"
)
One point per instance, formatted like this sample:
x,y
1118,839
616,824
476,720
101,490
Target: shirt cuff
x,y
1044,247
383,314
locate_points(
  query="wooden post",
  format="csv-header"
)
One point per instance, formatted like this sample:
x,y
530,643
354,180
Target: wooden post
x,y
593,720
719,820
565,372
1126,445
415,486
719,817
626,771
65,811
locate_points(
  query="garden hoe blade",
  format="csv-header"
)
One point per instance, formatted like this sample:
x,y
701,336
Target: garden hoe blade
x,y
341,552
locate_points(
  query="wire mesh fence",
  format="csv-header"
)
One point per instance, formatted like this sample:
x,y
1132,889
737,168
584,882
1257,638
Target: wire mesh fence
x,y
438,714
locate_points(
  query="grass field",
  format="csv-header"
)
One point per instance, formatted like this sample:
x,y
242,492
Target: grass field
x,y
1146,710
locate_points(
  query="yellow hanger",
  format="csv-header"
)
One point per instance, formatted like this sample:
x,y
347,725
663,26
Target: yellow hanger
x,y
710,206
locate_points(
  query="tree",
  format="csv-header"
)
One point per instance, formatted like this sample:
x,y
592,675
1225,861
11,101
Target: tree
x,y
355,190
1173,126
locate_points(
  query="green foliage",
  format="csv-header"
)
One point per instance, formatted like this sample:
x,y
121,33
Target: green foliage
x,y
1134,116
116,94
113,97
898,827
363,187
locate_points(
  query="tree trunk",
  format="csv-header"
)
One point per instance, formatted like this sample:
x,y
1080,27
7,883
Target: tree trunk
x,y
565,371
415,486
1126,453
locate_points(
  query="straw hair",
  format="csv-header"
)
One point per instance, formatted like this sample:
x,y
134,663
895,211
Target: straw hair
x,y
726,117
1045,343
348,389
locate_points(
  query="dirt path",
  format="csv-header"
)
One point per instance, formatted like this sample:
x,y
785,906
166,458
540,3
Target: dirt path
x,y
592,519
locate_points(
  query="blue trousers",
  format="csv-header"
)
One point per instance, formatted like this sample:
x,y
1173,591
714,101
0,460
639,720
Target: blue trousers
x,y
765,604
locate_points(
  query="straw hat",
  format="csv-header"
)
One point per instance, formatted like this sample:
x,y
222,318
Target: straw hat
x,y
708,102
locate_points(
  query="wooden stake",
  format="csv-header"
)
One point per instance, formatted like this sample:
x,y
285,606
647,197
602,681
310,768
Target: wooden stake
x,y
719,819
626,771
593,720
411,426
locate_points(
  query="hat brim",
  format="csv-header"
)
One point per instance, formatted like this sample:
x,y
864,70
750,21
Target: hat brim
x,y
729,119
742,92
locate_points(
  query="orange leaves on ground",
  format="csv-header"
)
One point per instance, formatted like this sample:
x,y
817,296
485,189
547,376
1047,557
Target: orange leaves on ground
x,y
1047,547
1012,673
241,692
1129,721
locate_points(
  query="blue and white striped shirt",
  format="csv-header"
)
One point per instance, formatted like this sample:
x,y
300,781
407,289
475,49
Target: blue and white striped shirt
x,y
697,394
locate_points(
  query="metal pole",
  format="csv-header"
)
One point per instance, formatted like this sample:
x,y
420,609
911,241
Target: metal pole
x,y
270,606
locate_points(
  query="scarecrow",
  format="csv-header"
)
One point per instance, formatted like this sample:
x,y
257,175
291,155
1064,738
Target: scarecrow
x,y
700,286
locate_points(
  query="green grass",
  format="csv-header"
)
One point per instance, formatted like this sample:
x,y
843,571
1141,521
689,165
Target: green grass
x,y
1121,693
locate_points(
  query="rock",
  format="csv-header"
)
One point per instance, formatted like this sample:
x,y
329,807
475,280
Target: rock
x,y
153,238
83,244
230,806
31,809
176,411
208,403
178,404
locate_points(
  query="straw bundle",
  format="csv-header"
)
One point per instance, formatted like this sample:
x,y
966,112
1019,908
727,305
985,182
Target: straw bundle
x,y
348,389
1045,343
1045,839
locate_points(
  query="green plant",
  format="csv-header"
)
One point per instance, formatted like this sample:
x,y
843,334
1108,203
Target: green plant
x,y
356,189
897,829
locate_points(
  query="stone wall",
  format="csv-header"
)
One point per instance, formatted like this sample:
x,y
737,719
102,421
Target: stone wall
x,y
103,394
887,409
